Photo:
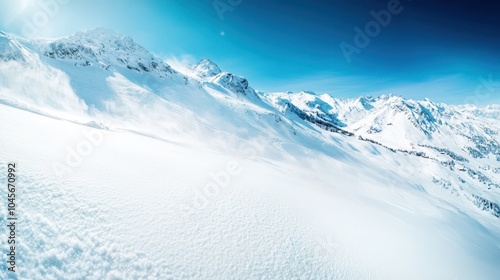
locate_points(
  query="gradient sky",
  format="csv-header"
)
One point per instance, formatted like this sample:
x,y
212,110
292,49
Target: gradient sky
x,y
446,51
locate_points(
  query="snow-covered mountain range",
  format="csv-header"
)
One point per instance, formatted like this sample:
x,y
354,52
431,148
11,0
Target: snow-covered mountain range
x,y
409,189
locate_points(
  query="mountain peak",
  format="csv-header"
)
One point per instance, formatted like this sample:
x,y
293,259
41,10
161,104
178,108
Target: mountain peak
x,y
206,61
308,92
107,49
206,68
106,38
366,101
101,34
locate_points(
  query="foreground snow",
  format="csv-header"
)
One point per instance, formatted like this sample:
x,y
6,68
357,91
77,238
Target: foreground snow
x,y
139,208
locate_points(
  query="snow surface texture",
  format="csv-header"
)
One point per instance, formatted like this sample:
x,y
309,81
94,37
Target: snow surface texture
x,y
129,169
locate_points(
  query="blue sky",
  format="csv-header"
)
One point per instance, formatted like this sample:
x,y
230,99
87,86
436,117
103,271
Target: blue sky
x,y
445,51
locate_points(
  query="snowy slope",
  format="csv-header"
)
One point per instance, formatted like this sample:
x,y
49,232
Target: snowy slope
x,y
195,175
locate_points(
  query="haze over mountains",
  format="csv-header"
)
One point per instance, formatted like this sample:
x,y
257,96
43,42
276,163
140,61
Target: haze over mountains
x,y
364,188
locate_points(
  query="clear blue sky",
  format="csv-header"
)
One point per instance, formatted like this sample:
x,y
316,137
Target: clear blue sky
x,y
434,49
